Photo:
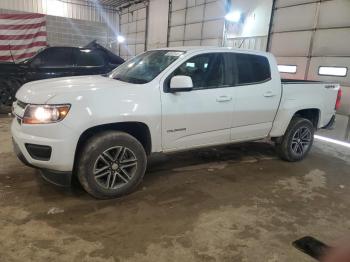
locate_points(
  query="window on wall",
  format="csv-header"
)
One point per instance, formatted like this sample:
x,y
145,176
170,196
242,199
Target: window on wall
x,y
206,71
332,71
252,69
290,69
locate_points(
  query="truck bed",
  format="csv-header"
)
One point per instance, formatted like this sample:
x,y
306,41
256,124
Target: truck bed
x,y
300,94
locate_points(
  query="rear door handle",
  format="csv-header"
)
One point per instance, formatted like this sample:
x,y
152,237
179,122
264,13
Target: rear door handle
x,y
269,94
223,99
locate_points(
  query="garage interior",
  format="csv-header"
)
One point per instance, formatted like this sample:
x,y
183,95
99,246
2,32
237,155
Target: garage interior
x,y
237,202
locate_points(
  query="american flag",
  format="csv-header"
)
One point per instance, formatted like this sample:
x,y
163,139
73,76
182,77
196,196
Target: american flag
x,y
21,36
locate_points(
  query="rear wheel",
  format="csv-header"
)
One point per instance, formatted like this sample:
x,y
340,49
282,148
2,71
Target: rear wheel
x,y
297,141
111,164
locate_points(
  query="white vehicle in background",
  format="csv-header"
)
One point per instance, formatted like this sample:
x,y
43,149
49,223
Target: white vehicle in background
x,y
102,128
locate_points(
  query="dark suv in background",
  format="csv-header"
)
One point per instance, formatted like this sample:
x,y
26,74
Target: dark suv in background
x,y
53,62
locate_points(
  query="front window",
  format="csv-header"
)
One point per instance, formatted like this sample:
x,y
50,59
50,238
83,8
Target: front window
x,y
145,67
206,71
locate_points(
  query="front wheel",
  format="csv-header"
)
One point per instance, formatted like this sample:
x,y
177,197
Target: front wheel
x,y
111,164
297,141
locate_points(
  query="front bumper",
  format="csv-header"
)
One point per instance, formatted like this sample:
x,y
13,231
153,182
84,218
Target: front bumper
x,y
57,178
56,169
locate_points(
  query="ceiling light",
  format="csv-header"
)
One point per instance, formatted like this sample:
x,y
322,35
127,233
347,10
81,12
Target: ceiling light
x,y
234,16
120,39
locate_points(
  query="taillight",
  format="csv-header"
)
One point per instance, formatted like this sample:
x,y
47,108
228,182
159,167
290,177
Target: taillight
x,y
337,104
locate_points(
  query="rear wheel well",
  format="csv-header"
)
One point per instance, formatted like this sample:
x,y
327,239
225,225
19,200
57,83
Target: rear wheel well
x,y
312,114
136,129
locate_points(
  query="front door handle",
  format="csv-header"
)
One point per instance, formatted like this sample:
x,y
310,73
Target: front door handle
x,y
269,94
223,98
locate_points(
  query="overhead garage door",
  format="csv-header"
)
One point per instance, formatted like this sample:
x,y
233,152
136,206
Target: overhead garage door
x,y
311,40
133,26
196,22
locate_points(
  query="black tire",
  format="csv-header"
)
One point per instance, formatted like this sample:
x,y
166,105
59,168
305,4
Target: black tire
x,y
102,148
13,85
5,95
8,89
291,148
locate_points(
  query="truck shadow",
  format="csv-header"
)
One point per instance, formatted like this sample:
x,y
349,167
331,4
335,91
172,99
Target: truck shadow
x,y
244,152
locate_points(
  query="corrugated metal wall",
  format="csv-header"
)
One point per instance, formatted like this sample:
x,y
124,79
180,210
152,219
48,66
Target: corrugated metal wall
x,y
77,32
196,22
313,34
71,32
72,9
309,34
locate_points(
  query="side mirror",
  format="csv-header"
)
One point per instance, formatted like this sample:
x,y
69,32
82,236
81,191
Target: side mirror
x,y
181,84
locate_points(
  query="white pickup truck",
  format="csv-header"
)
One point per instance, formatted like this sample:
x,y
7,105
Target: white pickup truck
x,y
103,128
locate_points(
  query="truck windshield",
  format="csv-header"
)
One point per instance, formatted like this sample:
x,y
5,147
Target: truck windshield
x,y
145,67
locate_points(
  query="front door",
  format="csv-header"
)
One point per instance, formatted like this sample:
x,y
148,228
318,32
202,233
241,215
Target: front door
x,y
202,116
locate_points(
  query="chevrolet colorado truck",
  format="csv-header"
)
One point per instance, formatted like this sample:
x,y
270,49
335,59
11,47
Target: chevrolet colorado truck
x,y
102,129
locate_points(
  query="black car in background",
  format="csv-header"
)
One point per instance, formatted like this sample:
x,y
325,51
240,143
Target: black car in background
x,y
51,62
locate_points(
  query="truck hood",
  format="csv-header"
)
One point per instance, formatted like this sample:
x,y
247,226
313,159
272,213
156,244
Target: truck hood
x,y
39,92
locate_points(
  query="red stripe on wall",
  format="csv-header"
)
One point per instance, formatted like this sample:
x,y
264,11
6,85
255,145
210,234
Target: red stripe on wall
x,y
21,27
21,37
16,57
20,47
20,16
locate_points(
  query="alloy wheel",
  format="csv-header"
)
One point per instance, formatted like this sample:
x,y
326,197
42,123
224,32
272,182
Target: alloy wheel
x,y
301,140
115,167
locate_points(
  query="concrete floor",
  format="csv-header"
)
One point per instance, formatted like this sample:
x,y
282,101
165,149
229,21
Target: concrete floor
x,y
235,203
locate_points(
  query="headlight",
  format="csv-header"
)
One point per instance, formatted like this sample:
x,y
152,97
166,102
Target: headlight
x,y
45,114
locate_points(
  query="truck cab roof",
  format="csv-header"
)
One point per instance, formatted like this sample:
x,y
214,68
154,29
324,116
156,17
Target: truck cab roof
x,y
212,48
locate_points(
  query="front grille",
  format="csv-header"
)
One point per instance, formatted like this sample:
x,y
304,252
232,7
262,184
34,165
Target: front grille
x,y
21,104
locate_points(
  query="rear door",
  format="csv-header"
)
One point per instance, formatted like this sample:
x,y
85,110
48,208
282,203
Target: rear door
x,y
202,116
257,97
51,62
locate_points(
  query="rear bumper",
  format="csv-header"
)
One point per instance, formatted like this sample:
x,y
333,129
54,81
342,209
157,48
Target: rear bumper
x,y
331,124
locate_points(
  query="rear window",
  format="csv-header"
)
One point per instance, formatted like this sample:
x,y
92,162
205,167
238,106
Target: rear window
x,y
252,69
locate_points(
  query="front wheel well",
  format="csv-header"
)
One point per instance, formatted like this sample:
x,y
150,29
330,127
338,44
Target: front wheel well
x,y
138,130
